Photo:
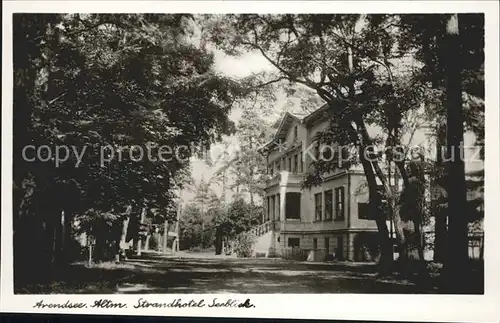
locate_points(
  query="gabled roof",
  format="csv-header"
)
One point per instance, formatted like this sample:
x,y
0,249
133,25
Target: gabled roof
x,y
287,120
316,114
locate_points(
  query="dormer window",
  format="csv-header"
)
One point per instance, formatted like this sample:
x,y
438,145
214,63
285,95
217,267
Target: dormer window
x,y
295,132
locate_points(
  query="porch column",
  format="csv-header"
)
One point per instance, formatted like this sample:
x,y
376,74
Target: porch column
x,y
350,246
266,211
277,207
282,203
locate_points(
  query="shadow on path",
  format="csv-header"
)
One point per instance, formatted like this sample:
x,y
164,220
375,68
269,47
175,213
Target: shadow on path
x,y
218,275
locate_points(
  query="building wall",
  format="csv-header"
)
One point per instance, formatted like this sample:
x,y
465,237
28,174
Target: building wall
x,y
289,141
348,251
359,194
311,133
356,191
301,132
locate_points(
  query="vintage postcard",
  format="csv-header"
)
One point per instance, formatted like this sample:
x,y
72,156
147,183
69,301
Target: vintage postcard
x,y
331,160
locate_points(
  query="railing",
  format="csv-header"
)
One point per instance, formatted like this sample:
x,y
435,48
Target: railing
x,y
261,229
285,177
298,254
256,231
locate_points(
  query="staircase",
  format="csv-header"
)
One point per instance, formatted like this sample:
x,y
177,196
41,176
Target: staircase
x,y
264,243
261,229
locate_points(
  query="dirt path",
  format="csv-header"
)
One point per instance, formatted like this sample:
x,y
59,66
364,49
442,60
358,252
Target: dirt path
x,y
204,273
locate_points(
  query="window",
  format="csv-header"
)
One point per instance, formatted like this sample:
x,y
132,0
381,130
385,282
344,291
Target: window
x,y
294,242
326,153
295,163
273,208
278,202
364,211
315,243
301,162
292,207
268,208
339,203
295,132
328,205
340,248
271,170
290,164
278,166
345,157
318,206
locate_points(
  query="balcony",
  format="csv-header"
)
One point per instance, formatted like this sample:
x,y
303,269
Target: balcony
x,y
304,226
286,178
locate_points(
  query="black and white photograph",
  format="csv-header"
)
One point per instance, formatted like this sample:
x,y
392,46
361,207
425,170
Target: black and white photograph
x,y
240,153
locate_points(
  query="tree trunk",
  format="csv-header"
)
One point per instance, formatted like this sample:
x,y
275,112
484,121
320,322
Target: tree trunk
x,y
64,236
54,241
429,47
218,241
375,199
407,229
440,213
90,250
68,236
375,206
146,243
122,242
409,220
457,253
123,238
165,236
139,238
224,187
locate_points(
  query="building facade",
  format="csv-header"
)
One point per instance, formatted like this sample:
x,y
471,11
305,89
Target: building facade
x,y
330,219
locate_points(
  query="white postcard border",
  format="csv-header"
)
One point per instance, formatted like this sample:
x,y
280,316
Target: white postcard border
x,y
319,306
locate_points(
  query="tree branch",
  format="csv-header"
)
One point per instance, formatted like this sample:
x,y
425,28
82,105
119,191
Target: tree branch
x,y
281,78
57,98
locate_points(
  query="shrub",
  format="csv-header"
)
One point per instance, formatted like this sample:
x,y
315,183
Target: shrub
x,y
154,242
434,267
243,245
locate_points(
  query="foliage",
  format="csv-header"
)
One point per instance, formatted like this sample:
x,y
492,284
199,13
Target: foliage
x,y
91,81
347,60
366,69
243,245
191,226
199,229
251,166
243,168
240,217
196,222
